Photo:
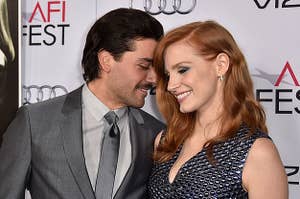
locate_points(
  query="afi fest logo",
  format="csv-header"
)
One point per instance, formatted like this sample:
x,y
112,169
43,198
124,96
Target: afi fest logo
x,y
46,24
280,96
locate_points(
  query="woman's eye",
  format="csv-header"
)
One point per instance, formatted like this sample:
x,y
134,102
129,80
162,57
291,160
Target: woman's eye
x,y
183,70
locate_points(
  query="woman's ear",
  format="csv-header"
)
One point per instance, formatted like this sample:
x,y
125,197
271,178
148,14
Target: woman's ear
x,y
105,60
222,62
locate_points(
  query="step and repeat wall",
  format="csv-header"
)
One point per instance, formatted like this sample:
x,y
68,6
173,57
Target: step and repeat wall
x,y
53,34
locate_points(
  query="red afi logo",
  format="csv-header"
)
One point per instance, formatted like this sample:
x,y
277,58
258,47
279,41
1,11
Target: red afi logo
x,y
287,67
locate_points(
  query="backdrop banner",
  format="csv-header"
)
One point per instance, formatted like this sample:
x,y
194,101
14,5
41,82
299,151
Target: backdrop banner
x,y
53,34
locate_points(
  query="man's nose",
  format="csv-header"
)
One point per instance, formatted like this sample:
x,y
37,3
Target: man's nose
x,y
151,76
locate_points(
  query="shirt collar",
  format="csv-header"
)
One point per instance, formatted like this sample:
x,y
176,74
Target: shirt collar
x,y
96,107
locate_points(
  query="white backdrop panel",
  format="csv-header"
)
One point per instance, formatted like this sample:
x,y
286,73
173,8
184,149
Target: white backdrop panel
x,y
266,30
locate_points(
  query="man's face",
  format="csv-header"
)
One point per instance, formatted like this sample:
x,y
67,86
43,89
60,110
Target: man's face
x,y
133,75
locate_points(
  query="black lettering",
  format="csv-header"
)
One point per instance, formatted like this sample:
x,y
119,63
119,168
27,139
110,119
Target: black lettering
x,y
258,97
262,6
31,34
63,32
278,100
298,98
24,33
295,170
50,34
286,5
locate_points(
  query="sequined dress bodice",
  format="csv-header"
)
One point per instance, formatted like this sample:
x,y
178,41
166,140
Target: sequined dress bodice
x,y
197,178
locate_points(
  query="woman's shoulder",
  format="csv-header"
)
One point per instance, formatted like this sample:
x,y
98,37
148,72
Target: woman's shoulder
x,y
263,166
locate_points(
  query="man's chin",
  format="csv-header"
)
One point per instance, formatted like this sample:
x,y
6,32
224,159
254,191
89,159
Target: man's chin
x,y
139,103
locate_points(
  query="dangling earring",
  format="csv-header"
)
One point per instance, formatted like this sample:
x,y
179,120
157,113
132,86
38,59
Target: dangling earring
x,y
221,77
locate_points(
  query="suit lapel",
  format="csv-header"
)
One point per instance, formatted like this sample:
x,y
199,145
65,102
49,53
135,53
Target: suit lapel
x,y
136,122
71,129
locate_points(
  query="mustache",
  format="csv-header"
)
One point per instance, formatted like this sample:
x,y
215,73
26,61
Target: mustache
x,y
146,86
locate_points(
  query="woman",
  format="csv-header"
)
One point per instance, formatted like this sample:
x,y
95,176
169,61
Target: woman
x,y
216,144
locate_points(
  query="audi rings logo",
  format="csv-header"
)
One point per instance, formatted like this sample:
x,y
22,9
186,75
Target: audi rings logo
x,y
168,7
34,93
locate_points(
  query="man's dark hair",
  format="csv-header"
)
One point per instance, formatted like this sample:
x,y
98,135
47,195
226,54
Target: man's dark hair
x,y
116,32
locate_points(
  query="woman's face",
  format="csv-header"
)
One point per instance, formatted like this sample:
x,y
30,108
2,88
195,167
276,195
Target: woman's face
x,y
192,79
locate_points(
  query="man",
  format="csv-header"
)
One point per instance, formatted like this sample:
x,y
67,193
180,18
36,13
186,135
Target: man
x,y
55,149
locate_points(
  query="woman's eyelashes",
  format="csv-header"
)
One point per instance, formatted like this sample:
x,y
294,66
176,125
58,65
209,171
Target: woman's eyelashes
x,y
183,69
180,70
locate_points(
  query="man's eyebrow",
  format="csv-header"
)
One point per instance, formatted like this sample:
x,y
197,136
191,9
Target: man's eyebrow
x,y
150,60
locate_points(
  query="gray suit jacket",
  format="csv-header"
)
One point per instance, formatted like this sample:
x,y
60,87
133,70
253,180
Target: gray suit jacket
x,y
42,151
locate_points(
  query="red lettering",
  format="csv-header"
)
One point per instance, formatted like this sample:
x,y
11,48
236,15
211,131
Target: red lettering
x,y
51,10
285,68
37,8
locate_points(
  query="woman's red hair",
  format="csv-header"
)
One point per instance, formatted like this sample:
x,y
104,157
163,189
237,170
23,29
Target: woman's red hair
x,y
209,39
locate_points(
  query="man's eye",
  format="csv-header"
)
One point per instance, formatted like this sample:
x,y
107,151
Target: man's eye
x,y
183,70
144,67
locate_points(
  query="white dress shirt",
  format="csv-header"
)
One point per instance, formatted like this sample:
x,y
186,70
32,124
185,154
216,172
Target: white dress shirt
x,y
93,126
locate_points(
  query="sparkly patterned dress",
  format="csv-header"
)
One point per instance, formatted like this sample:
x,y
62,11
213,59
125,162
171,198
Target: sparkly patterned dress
x,y
197,178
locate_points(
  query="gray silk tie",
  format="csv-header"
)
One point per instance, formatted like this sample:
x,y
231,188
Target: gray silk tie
x,y
109,158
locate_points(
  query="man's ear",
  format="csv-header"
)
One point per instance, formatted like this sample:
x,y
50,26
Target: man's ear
x,y
105,60
222,62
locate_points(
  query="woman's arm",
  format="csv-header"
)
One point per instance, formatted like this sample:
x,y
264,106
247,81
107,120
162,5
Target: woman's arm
x,y
264,175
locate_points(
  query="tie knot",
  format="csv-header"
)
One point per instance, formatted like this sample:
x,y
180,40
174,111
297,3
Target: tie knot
x,y
111,117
